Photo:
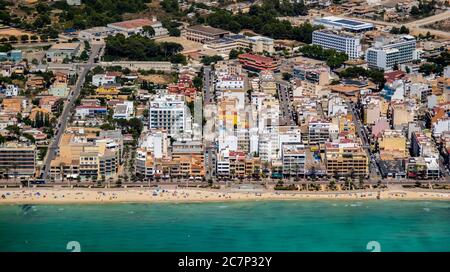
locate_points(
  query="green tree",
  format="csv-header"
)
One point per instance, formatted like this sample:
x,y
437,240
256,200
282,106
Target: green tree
x,y
287,76
170,6
5,47
13,39
175,32
234,54
84,55
148,31
207,60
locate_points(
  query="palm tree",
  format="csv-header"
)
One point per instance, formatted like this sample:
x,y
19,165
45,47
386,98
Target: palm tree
x,y
332,185
2,170
361,182
14,166
61,170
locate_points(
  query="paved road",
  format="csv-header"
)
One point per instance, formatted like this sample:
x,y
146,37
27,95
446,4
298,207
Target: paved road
x,y
287,113
414,26
207,85
362,133
430,19
392,183
62,122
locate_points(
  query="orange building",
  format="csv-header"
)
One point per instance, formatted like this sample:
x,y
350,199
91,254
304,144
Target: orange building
x,y
12,105
257,63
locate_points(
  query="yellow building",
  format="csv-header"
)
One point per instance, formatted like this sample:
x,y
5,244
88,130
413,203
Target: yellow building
x,y
12,105
402,113
108,93
35,111
346,158
82,154
227,111
393,145
345,123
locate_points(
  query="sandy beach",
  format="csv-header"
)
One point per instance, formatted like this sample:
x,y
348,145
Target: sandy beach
x,y
91,195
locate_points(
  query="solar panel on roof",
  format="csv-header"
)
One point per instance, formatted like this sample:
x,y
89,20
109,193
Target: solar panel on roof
x,y
348,22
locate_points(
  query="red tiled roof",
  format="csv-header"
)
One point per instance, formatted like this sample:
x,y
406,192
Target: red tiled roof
x,y
391,76
257,58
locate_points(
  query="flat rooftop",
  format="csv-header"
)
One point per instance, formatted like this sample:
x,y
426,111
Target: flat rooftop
x,y
208,29
65,46
344,23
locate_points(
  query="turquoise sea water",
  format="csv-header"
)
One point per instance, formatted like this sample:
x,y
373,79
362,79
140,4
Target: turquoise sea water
x,y
239,226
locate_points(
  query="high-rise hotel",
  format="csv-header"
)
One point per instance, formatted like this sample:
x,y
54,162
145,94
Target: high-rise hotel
x,y
387,52
339,40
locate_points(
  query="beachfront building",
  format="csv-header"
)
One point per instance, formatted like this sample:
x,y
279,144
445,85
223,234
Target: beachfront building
x,y
237,164
170,112
152,151
387,52
423,168
18,160
187,159
84,155
293,157
341,41
202,34
346,158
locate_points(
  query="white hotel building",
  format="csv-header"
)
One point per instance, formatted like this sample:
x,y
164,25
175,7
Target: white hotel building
x,y
170,113
338,40
388,52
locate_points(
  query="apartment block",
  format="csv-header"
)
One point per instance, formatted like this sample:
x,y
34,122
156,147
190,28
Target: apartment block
x,y
318,131
348,43
346,158
422,146
393,145
318,74
202,34
84,155
257,63
387,52
293,157
18,160
169,112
